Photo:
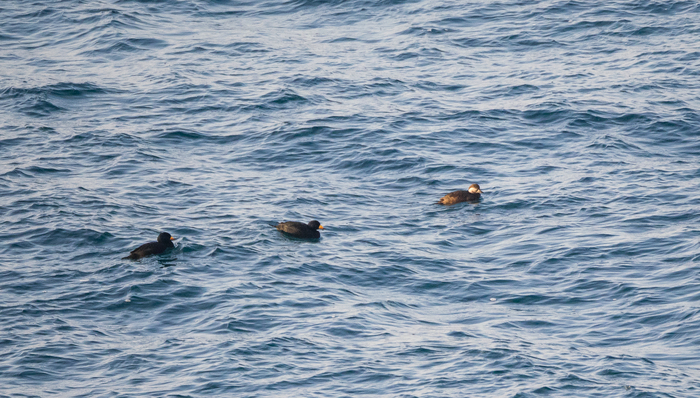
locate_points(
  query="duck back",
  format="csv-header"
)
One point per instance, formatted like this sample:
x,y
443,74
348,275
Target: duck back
x,y
298,230
458,197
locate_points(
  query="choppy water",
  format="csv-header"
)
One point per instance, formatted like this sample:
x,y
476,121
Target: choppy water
x,y
577,275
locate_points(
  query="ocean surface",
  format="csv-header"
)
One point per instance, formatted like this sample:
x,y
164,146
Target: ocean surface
x,y
576,275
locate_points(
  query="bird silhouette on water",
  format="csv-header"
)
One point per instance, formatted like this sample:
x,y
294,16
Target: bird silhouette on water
x,y
301,230
148,249
471,195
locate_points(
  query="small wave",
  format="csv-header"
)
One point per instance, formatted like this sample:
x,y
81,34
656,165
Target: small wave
x,y
121,48
286,98
59,90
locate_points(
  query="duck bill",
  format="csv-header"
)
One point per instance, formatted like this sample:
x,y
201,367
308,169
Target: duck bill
x,y
172,238
320,227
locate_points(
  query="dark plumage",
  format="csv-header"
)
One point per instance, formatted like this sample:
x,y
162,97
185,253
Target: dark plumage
x,y
301,230
164,243
472,195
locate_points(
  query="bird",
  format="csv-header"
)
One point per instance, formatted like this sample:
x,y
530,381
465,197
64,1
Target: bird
x,y
471,195
301,230
164,243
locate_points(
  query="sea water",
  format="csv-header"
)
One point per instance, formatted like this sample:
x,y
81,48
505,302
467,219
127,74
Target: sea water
x,y
575,275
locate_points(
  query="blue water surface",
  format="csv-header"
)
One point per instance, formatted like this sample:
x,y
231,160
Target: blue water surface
x,y
576,275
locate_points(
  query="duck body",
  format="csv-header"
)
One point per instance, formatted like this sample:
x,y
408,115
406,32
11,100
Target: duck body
x,y
471,195
300,230
148,249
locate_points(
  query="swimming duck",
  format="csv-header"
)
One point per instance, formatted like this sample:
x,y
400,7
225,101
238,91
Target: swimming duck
x,y
472,195
164,243
301,230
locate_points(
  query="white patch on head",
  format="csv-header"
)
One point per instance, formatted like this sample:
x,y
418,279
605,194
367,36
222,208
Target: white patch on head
x,y
474,188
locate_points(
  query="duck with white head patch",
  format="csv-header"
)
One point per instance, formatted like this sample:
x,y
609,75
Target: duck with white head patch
x,y
471,195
